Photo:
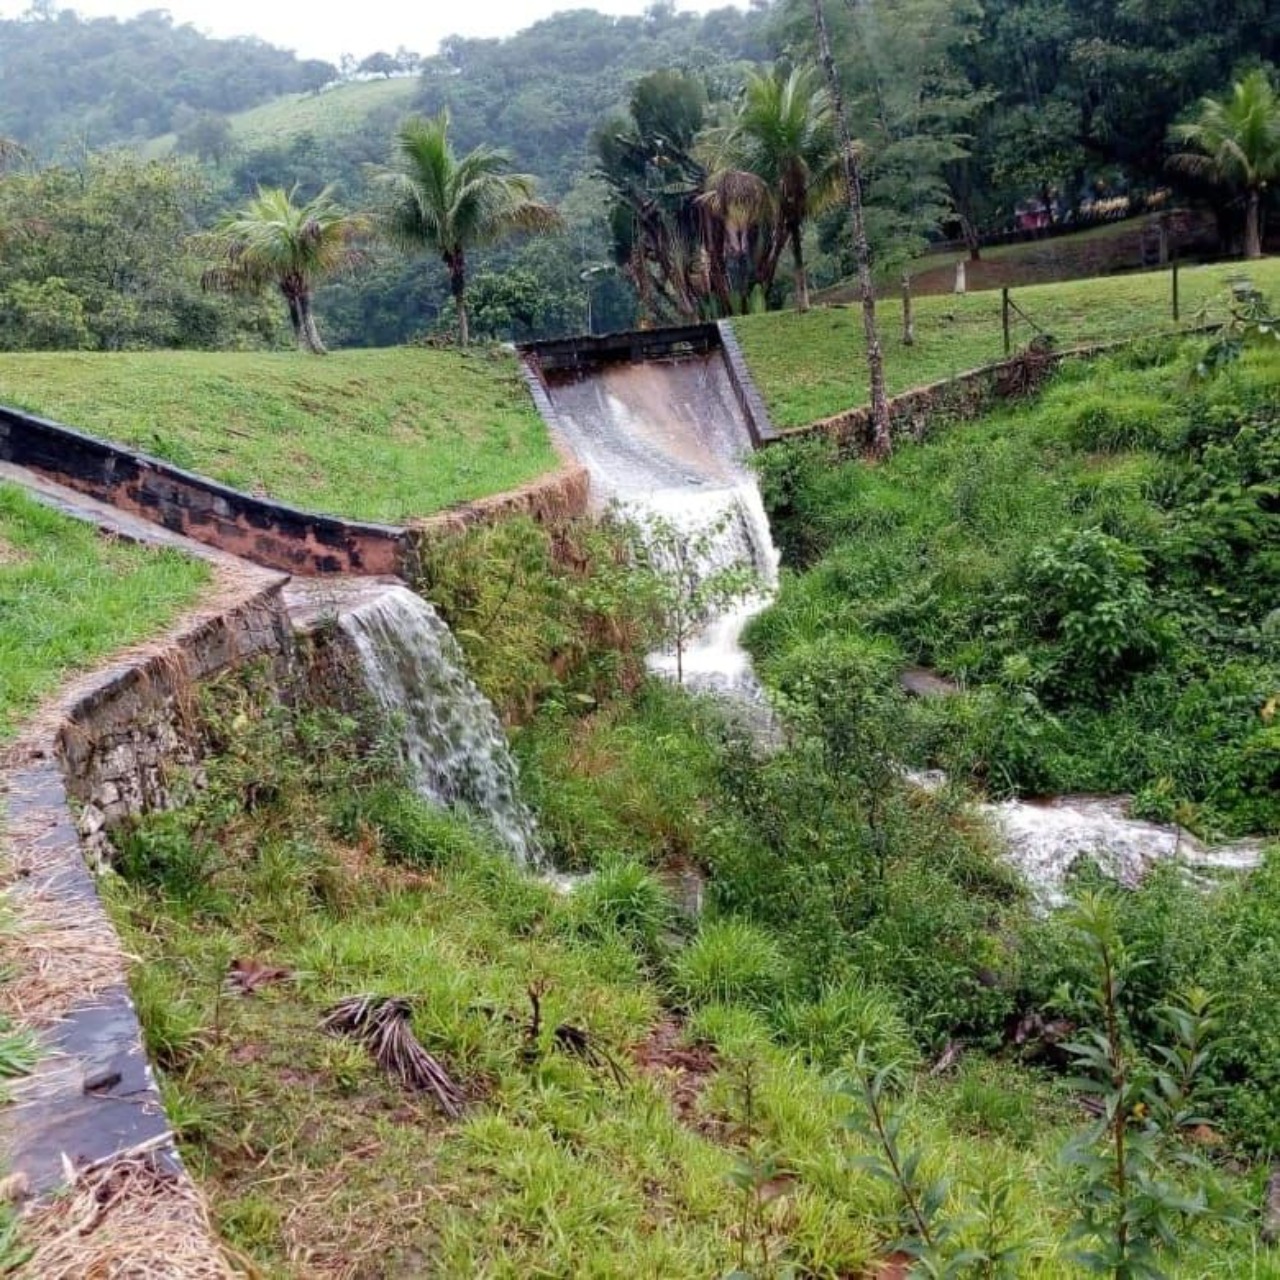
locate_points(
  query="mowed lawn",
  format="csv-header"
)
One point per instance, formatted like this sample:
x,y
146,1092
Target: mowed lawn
x,y
70,596
811,366
374,435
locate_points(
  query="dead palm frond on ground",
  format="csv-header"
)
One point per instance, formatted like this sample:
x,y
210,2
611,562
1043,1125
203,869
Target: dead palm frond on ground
x,y
381,1024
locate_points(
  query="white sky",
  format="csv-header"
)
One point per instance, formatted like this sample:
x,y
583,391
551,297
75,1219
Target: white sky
x,y
328,28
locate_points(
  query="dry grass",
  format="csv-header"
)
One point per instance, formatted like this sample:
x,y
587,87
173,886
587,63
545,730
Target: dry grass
x,y
129,1219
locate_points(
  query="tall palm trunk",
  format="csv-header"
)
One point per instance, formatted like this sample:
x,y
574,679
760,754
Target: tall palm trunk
x,y
298,299
456,260
801,275
1253,224
881,439
311,333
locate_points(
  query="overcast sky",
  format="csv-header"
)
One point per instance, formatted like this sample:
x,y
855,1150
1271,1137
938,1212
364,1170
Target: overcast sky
x,y
329,28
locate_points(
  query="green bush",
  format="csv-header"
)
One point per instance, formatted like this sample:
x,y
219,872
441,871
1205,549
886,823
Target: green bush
x,y
730,962
163,852
846,1018
1087,594
1108,422
411,830
623,895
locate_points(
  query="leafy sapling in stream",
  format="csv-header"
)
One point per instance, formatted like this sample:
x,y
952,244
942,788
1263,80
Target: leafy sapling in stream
x,y
691,582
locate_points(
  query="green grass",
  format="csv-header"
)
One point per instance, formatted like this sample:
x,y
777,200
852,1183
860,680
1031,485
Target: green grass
x,y
812,366
315,1164
69,597
331,114
376,435
1096,569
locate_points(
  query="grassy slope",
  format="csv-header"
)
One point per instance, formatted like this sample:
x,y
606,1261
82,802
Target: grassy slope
x,y
326,115
317,1167
69,596
811,366
377,435
1115,246
929,554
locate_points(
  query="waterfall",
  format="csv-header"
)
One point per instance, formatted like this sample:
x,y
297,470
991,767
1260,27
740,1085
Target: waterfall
x,y
449,736
667,440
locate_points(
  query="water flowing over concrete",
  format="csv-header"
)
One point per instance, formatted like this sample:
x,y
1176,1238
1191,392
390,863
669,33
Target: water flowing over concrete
x,y
448,733
667,440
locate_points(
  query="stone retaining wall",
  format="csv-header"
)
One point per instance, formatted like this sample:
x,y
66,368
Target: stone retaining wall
x,y
256,529
121,743
111,743
266,533
914,414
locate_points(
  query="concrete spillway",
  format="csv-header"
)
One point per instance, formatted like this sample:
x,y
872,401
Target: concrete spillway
x,y
667,441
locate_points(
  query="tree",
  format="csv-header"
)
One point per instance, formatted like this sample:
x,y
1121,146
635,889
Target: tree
x,y
98,256
441,203
784,134
273,241
881,439
689,588
1234,142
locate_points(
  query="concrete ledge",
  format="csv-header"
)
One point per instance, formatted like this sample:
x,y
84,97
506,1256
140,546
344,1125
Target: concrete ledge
x,y
744,388
589,352
267,533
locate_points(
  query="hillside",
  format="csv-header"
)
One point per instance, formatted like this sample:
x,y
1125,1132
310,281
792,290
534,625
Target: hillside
x,y
376,435
322,114
66,79
811,366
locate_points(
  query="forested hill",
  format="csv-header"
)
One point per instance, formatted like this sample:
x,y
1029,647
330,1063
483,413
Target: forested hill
x,y
65,79
543,92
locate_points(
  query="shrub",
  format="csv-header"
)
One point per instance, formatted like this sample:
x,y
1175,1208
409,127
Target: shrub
x,y
410,829
847,1018
623,895
730,962
161,852
1110,422
1087,594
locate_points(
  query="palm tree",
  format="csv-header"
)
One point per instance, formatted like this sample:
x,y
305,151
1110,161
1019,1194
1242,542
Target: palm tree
x,y
273,241
1235,143
442,203
784,133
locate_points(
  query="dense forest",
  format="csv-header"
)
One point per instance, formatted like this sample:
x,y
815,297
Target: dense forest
x,y
971,120
71,80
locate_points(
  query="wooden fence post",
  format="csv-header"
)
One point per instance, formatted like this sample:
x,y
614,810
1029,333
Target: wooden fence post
x,y
1004,317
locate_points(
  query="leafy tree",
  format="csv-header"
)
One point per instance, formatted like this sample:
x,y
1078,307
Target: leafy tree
x,y
95,256
688,588
208,137
1234,142
783,133
70,79
441,203
274,241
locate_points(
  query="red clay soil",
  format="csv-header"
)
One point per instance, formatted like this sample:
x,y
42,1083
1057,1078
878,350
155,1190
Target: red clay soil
x,y
685,1068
